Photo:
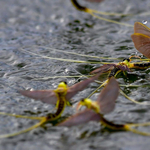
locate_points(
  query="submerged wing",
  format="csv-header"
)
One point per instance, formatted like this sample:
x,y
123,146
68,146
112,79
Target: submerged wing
x,y
107,97
141,28
81,118
73,90
46,96
104,68
142,43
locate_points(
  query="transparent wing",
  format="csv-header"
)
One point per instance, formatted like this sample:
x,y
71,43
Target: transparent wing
x,y
142,43
46,96
81,118
73,90
107,97
141,28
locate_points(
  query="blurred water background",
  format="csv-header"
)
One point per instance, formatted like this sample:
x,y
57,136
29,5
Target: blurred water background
x,y
38,25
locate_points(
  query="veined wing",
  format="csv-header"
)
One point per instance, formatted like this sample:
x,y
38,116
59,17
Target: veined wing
x,y
73,90
81,118
107,97
141,28
46,96
104,68
142,43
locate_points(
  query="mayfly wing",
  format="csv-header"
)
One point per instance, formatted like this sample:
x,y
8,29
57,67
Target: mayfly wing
x,y
104,68
141,28
46,96
107,97
81,118
123,68
73,90
142,43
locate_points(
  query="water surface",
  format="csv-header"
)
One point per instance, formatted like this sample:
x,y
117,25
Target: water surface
x,y
57,24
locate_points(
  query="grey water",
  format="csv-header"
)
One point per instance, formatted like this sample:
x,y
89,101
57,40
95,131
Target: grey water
x,y
28,27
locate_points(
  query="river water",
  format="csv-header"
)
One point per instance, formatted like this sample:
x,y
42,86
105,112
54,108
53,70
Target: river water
x,y
36,26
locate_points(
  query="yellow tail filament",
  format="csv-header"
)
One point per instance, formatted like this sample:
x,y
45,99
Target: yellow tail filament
x,y
125,127
93,12
128,127
132,100
42,121
103,84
